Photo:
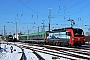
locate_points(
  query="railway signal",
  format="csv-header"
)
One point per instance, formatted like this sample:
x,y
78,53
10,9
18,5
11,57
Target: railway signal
x,y
72,22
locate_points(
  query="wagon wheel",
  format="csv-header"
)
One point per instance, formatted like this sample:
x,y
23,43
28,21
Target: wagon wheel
x,y
62,44
56,43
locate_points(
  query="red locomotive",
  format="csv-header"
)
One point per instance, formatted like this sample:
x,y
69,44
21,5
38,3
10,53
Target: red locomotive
x,y
66,37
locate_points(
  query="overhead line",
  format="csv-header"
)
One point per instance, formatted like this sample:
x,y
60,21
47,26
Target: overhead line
x,y
30,8
75,4
75,10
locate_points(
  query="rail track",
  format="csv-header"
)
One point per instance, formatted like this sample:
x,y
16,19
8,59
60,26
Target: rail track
x,y
64,52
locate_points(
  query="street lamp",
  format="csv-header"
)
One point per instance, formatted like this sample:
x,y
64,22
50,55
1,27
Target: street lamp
x,y
16,29
4,30
43,29
49,17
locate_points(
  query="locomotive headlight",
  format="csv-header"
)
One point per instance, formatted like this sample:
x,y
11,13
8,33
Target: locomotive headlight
x,y
72,38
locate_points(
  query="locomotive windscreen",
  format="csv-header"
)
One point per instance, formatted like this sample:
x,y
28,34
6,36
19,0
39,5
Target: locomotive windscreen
x,y
78,32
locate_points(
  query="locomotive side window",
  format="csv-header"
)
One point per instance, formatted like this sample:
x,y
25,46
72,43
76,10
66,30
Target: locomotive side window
x,y
68,33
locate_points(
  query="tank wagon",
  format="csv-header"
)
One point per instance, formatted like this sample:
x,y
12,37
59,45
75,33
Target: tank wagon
x,y
63,37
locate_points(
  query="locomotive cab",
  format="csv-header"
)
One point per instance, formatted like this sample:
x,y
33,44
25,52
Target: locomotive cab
x,y
77,37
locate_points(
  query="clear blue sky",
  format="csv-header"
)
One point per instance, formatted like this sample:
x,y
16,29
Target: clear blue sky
x,y
26,12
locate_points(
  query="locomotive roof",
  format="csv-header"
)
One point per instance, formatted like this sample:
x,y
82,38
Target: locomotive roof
x,y
9,35
33,34
64,29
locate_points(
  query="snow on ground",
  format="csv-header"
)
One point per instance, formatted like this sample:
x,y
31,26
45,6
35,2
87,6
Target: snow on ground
x,y
5,52
49,57
29,55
